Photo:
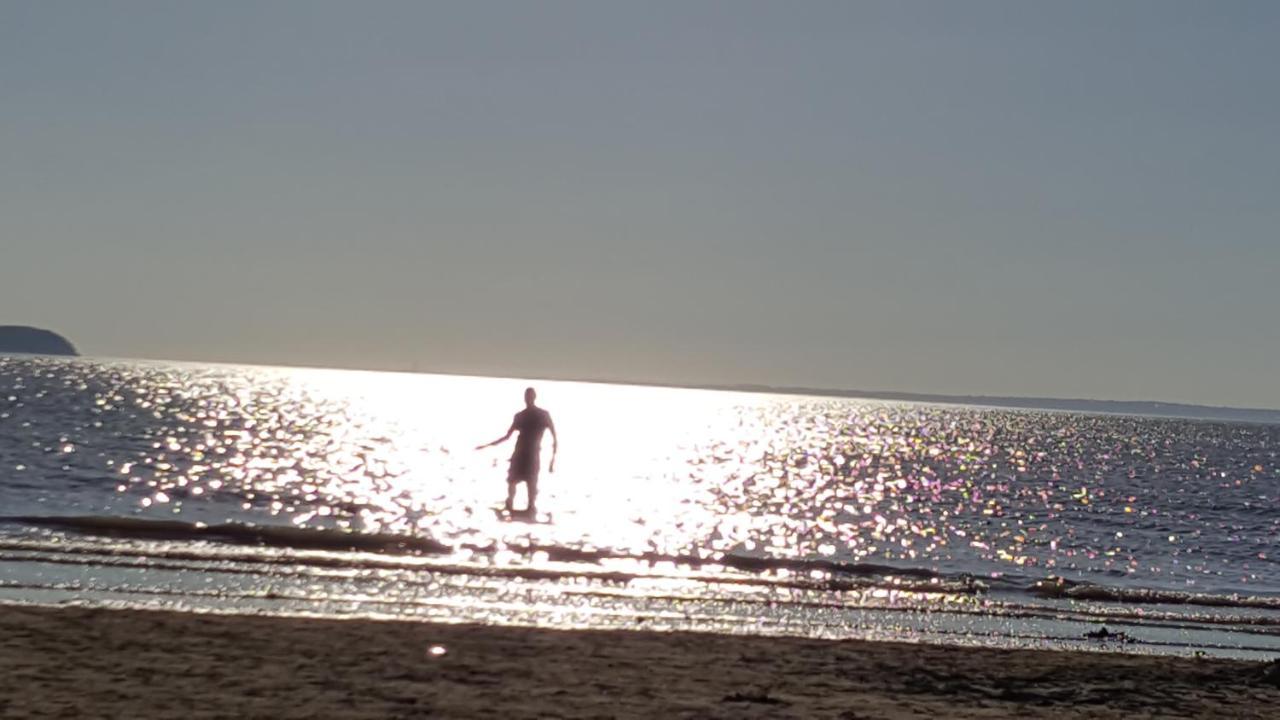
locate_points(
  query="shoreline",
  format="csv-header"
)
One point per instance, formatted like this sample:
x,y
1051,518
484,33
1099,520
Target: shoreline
x,y
81,662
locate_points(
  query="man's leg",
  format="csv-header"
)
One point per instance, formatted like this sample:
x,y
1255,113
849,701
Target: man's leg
x,y
511,493
532,486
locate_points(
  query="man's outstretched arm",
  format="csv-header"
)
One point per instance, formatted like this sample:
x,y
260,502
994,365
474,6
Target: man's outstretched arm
x,y
500,440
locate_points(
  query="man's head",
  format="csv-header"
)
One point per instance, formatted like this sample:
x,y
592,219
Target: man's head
x,y
529,396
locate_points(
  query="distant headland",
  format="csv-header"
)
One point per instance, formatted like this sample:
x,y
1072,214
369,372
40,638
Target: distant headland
x,y
1150,408
1146,408
33,341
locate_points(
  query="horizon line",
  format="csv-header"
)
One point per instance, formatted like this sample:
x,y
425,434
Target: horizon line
x,y
1151,407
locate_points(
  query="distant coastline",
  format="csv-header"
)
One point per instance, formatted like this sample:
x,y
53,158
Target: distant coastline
x,y
1146,408
1117,407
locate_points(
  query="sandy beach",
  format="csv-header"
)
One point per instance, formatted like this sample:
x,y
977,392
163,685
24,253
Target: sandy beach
x,y
78,662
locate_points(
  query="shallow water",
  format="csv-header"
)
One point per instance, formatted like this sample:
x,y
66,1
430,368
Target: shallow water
x,y
326,491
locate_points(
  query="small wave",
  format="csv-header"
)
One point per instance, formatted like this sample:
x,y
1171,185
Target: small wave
x,y
1057,587
393,550
745,563
717,567
235,533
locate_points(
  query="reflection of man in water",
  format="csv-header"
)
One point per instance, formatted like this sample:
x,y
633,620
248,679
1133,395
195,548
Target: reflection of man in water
x,y
526,460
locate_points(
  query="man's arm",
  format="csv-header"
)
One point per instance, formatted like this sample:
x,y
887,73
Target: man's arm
x,y
500,440
555,443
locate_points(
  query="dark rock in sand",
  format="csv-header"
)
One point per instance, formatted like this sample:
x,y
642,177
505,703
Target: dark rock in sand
x,y
33,341
1107,636
1270,674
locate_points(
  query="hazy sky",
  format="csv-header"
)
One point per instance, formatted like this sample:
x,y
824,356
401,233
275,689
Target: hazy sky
x,y
1072,198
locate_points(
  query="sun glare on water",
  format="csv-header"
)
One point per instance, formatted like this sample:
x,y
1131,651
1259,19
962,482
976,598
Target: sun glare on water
x,y
649,472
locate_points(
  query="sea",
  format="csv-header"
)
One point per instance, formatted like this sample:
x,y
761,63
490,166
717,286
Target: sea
x,y
338,493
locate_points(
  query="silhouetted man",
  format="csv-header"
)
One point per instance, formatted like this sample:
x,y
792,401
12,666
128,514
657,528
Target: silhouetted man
x,y
526,460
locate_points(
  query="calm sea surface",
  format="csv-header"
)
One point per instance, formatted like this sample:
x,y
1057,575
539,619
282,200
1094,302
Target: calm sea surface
x,y
220,488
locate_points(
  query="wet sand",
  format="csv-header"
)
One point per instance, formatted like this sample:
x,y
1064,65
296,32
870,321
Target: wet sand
x,y
77,662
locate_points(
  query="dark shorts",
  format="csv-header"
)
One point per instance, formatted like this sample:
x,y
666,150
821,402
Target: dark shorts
x,y
524,467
